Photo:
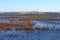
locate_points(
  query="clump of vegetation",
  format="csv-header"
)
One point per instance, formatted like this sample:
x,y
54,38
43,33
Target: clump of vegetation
x,y
28,26
5,25
25,25
45,28
38,28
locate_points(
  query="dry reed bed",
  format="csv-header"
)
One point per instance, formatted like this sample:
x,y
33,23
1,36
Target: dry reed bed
x,y
25,25
17,25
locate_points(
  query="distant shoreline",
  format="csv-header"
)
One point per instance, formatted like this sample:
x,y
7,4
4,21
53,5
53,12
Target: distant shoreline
x,y
30,12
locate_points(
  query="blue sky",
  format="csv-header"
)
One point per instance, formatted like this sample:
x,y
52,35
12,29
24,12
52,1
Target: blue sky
x,y
29,5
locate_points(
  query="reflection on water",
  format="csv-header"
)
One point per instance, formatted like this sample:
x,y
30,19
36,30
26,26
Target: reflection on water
x,y
35,34
48,23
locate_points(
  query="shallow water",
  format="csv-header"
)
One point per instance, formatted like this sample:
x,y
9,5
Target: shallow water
x,y
48,23
34,35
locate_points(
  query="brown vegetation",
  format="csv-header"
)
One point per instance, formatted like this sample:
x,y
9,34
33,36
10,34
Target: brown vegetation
x,y
38,28
45,28
24,25
19,26
27,18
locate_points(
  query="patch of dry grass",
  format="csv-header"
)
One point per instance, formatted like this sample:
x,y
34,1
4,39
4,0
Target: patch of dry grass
x,y
25,25
28,18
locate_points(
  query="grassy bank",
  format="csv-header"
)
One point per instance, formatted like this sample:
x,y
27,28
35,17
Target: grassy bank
x,y
28,18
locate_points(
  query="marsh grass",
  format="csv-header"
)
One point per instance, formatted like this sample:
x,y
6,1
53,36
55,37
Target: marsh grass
x,y
24,25
14,21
